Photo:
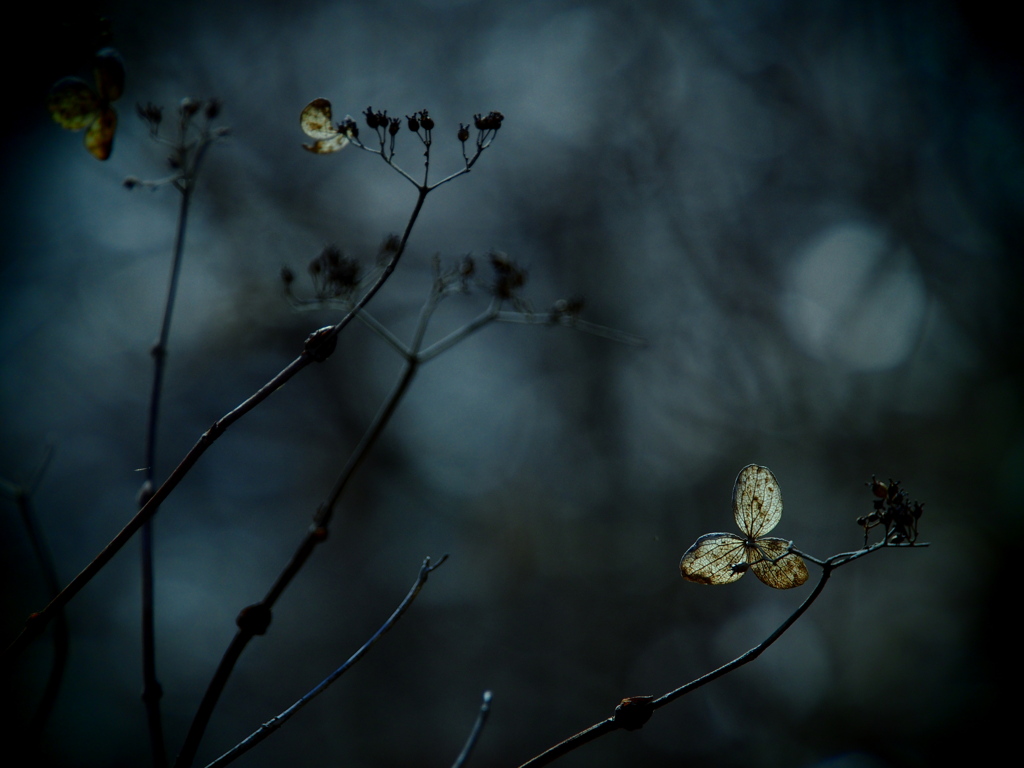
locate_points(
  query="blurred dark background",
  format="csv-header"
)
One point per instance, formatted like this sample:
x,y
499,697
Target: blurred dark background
x,y
811,211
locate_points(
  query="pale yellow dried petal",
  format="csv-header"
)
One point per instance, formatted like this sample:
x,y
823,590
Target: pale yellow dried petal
x,y
99,139
73,104
715,558
316,120
325,146
775,565
756,501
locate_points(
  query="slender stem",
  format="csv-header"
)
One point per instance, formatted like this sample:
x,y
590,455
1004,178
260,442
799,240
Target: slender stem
x,y
646,708
382,330
22,497
316,534
474,735
152,691
276,722
607,726
453,338
527,318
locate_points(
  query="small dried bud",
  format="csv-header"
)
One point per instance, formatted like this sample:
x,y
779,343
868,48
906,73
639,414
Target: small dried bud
x,y
213,108
509,276
151,114
633,712
131,182
319,345
570,307
426,120
254,619
391,244
189,106
463,133
394,125
349,128
371,118
489,122
414,123
287,276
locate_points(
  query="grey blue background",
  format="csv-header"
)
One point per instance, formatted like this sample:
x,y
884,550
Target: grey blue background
x,y
811,211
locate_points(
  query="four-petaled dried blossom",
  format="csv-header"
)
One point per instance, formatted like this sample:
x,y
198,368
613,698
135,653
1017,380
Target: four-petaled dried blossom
x,y
317,124
721,558
75,105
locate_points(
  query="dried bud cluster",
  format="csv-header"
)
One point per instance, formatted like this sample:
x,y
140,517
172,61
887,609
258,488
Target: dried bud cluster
x,y
894,510
376,119
334,274
489,122
509,277
421,119
315,121
152,115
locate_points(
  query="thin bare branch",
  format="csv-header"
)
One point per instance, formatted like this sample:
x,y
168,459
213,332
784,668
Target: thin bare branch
x,y
474,735
632,713
276,722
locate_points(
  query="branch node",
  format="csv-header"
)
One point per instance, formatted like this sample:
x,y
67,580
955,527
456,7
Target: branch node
x,y
320,344
254,619
633,712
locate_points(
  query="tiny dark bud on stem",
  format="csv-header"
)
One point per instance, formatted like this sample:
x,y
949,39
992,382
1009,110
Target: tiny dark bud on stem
x,y
254,619
633,712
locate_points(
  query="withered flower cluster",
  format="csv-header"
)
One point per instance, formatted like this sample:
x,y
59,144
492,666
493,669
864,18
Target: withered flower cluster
x,y
334,274
893,510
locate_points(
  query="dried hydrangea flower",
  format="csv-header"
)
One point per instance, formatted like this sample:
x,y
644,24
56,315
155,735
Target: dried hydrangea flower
x,y
722,558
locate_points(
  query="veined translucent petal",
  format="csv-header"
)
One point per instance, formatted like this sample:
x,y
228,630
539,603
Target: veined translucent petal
x,y
316,120
325,146
771,564
715,558
756,501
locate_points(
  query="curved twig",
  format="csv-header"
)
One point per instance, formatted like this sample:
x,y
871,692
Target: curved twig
x,y
276,722
635,711
474,735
